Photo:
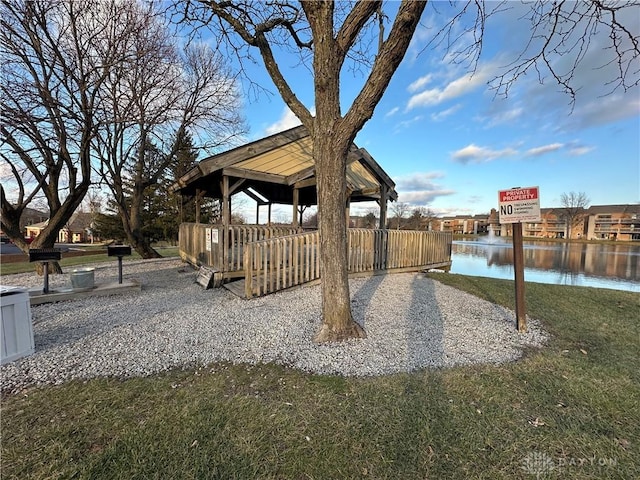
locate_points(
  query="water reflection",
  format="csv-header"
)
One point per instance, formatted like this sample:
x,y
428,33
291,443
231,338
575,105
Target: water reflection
x,y
596,265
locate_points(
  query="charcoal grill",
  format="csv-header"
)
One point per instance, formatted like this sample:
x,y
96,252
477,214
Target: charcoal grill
x,y
118,251
44,256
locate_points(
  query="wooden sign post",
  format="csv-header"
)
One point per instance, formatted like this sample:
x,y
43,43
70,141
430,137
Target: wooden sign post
x,y
519,205
518,270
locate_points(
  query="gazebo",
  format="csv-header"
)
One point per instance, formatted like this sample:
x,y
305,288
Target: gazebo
x,y
280,169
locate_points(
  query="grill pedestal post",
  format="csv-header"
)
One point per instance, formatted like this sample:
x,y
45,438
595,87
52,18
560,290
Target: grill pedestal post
x,y
44,255
45,266
120,269
119,251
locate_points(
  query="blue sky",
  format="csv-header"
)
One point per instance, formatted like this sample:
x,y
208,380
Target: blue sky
x,y
450,143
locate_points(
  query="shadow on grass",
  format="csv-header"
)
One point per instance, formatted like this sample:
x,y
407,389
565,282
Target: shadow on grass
x,y
424,415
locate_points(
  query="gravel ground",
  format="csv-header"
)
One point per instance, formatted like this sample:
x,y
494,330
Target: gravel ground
x,y
411,321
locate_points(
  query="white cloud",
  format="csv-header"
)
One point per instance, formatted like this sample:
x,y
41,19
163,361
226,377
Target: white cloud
x,y
457,88
543,150
419,83
501,117
420,189
436,117
423,198
451,211
287,120
407,123
605,110
578,151
418,181
475,154
392,112
360,209
426,98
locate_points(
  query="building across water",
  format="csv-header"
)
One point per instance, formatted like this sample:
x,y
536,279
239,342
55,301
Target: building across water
x,y
598,222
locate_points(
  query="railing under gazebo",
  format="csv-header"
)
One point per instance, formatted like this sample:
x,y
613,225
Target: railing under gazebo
x,y
271,258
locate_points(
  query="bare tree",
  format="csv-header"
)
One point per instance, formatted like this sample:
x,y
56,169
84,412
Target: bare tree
x,y
428,216
96,84
420,218
400,210
329,34
151,99
573,209
310,220
370,219
50,83
93,204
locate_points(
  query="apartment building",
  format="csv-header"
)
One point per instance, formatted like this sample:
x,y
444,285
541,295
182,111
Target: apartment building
x,y
598,222
613,222
553,224
461,224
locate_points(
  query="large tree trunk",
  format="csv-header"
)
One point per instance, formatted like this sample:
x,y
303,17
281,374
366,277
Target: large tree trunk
x,y
332,132
330,148
337,320
46,239
57,221
60,216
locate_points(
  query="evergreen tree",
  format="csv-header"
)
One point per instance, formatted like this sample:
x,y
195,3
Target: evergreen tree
x,y
178,209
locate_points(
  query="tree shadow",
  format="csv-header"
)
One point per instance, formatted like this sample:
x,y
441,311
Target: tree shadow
x,y
362,297
425,326
423,432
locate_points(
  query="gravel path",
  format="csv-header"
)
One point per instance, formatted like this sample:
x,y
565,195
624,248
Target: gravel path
x,y
412,322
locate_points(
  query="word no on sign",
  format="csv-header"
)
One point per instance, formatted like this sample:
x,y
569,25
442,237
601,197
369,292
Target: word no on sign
x,y
519,205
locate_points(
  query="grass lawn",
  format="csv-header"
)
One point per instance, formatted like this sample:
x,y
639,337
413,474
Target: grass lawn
x,y
570,410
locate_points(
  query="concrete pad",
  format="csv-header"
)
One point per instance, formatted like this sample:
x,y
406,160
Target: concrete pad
x,y
36,297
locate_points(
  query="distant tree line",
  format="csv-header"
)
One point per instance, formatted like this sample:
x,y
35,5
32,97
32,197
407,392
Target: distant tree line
x,y
407,218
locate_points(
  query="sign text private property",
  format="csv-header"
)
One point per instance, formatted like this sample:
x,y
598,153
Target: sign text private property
x,y
519,205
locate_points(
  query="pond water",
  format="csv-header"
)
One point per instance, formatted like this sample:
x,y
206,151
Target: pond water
x,y
615,266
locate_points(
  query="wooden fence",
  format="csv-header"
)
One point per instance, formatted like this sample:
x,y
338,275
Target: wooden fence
x,y
271,258
277,263
281,262
204,244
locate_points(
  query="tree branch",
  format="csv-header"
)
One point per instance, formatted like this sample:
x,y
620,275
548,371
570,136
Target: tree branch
x,y
259,40
353,25
386,63
566,30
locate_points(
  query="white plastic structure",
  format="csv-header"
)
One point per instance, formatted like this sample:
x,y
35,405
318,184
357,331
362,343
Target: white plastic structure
x,y
16,329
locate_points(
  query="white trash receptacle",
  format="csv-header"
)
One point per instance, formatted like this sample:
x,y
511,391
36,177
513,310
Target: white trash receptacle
x,y
16,330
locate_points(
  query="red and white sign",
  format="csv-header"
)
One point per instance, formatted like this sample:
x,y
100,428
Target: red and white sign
x,y
519,205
